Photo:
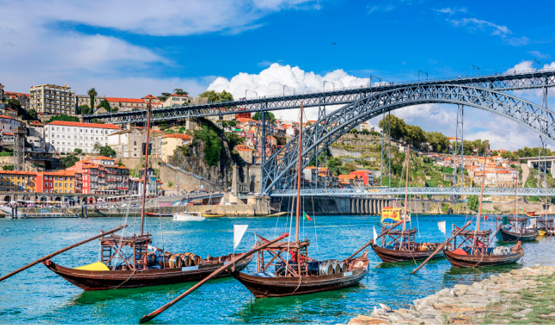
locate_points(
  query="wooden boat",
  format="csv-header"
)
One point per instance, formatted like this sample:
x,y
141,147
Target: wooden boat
x,y
474,250
290,271
516,229
210,214
400,245
130,278
125,261
545,226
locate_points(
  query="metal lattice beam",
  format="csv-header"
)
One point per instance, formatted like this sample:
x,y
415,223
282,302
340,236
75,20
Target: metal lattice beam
x,y
280,169
361,192
503,82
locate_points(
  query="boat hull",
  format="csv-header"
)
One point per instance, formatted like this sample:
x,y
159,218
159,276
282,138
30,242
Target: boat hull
x,y
107,280
509,236
262,287
392,256
468,261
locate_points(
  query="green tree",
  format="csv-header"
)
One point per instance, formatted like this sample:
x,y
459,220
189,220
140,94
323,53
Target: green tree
x,y
106,151
180,91
7,167
97,146
170,184
84,109
164,96
212,143
232,123
269,116
106,105
92,94
224,124
473,202
365,132
97,121
78,151
70,160
217,97
438,142
354,131
234,139
398,127
495,153
63,118
33,113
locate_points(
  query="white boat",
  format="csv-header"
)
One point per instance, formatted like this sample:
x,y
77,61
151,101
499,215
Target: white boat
x,y
188,216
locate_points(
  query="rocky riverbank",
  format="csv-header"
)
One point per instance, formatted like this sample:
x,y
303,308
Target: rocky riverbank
x,y
524,296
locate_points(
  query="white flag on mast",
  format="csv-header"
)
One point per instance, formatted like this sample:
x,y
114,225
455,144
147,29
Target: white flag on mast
x,y
442,227
238,232
375,234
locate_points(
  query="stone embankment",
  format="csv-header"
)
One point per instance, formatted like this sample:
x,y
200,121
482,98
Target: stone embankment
x,y
524,296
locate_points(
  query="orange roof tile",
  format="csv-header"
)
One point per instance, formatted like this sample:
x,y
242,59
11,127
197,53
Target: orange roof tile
x,y
85,125
126,100
177,136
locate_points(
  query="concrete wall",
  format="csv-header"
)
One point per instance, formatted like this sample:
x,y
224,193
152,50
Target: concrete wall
x,y
185,182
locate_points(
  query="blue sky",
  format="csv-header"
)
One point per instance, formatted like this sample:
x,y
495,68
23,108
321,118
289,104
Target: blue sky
x,y
131,48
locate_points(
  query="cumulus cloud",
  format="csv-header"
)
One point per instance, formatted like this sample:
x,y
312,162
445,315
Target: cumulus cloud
x,y
271,81
451,11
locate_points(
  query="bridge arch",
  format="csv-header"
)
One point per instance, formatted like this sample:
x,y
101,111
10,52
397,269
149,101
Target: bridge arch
x,y
279,171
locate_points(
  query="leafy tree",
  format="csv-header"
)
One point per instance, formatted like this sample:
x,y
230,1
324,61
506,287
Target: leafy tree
x,y
234,139
216,97
473,202
78,151
398,127
170,184
354,131
92,94
495,153
97,146
7,167
63,118
365,132
33,113
232,123
415,136
70,160
224,124
212,143
106,151
14,101
438,142
180,91
104,104
269,116
97,121
164,96
84,109
182,129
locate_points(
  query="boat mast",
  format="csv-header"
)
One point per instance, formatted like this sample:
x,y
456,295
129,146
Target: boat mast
x,y
299,176
516,199
406,189
481,192
146,162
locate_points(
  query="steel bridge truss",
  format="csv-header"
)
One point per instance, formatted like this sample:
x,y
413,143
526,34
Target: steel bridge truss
x,y
362,192
280,170
516,80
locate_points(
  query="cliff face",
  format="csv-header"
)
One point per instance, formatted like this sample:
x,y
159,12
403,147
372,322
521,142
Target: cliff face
x,y
201,158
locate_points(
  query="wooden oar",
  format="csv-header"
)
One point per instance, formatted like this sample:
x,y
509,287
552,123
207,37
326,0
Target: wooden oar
x,y
441,246
60,251
370,242
160,310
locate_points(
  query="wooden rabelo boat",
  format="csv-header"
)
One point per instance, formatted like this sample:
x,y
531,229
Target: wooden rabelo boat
x,y
125,261
517,229
290,271
474,250
400,245
545,226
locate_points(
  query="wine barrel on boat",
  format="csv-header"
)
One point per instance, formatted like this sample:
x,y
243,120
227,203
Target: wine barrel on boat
x,y
327,268
195,259
151,259
340,267
187,261
170,261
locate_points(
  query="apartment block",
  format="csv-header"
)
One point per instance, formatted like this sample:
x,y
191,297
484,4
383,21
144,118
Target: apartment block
x,y
52,99
63,136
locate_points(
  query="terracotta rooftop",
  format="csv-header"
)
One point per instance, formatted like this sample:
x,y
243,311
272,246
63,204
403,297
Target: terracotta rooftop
x,y
85,125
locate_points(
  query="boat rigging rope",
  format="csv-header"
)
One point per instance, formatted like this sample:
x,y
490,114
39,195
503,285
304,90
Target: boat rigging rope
x,y
119,285
315,232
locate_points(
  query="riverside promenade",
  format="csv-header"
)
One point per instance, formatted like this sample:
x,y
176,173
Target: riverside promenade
x,y
523,296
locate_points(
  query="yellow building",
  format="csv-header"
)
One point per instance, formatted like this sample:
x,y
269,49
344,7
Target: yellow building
x,y
170,142
16,181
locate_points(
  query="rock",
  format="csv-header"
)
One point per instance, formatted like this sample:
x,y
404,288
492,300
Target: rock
x,y
386,307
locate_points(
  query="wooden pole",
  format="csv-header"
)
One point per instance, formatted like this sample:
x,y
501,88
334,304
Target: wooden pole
x,y
441,246
160,310
60,251
146,162
373,240
406,190
482,191
299,175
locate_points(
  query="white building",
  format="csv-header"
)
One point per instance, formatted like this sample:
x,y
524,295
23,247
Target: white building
x,y
52,100
8,124
62,136
176,100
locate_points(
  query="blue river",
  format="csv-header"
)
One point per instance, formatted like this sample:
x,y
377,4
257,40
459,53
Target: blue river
x,y
39,296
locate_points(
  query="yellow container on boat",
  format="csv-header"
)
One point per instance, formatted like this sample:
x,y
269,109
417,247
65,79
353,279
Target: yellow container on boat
x,y
98,266
392,215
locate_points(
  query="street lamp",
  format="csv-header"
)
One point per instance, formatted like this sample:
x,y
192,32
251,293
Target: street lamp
x,y
371,76
247,90
285,86
419,71
539,63
473,66
329,83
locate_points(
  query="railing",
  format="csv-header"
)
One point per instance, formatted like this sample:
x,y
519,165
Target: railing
x,y
496,191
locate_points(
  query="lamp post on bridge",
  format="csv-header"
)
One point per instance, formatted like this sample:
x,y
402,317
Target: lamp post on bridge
x,y
372,76
419,71
473,66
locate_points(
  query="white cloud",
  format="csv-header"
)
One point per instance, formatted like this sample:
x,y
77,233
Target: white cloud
x,y
38,42
539,55
376,8
498,30
272,80
451,11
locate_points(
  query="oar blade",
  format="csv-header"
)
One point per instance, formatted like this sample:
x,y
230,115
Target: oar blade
x,y
147,318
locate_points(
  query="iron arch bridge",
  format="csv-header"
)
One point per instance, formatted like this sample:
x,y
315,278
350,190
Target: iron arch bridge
x,y
279,171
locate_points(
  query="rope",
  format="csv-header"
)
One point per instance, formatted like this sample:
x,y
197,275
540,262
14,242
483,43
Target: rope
x,y
119,285
315,232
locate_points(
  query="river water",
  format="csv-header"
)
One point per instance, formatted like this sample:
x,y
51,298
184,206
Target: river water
x,y
39,296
